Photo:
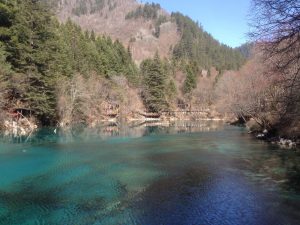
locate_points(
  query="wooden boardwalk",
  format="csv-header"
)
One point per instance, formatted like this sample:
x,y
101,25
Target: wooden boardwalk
x,y
152,115
185,112
174,113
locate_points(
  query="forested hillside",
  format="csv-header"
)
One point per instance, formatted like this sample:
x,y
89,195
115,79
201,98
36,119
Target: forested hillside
x,y
37,52
246,49
138,33
199,46
58,71
147,29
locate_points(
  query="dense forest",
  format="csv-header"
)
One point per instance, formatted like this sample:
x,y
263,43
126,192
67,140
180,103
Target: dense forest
x,y
38,52
195,44
83,7
199,46
246,49
39,55
59,72
147,11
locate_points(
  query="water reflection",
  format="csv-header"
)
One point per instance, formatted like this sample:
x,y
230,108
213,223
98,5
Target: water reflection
x,y
107,130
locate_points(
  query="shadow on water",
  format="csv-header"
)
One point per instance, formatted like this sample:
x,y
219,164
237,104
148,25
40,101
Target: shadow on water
x,y
182,173
195,197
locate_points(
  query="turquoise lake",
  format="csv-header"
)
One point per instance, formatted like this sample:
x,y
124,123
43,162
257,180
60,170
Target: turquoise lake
x,y
186,173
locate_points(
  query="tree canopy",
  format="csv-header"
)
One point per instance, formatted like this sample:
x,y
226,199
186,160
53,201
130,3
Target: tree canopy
x,y
155,85
198,45
147,11
40,51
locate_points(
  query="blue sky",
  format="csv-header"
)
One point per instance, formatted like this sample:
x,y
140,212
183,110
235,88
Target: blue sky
x,y
226,20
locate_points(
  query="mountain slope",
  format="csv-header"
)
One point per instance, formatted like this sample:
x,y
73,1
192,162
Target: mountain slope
x,y
108,17
246,49
147,29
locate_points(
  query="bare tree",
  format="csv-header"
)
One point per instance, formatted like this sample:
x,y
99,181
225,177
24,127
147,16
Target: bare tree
x,y
276,21
276,25
93,99
276,30
248,93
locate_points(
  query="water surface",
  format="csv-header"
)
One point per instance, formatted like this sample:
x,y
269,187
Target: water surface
x,y
187,173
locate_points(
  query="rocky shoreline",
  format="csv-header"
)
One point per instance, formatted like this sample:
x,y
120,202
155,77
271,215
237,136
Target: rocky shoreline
x,y
269,136
285,143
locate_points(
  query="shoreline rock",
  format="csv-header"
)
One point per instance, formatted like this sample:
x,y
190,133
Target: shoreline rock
x,y
266,135
285,143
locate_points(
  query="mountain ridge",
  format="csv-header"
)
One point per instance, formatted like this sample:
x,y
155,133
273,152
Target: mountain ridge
x,y
137,34
148,30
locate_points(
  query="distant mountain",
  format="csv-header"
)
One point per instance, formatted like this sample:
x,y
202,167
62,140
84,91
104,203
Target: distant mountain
x,y
112,17
147,29
246,49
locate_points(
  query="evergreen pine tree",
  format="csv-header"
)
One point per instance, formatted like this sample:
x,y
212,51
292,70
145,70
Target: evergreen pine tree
x,y
31,49
190,82
155,84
